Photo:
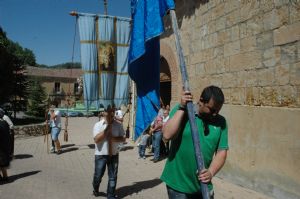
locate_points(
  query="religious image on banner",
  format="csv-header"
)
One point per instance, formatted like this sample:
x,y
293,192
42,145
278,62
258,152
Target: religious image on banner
x,y
106,56
104,43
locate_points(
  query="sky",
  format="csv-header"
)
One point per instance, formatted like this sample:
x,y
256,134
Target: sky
x,y
46,28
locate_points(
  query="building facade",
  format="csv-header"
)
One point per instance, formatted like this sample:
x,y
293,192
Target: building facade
x,y
59,84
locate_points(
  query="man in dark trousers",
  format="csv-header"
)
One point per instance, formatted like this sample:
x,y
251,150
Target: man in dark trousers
x,y
180,172
108,133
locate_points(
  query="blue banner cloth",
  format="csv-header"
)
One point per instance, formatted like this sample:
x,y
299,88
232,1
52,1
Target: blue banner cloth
x,y
144,57
104,42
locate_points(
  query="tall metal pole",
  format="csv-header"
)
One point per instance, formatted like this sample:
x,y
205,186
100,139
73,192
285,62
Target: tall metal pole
x,y
190,109
105,7
133,108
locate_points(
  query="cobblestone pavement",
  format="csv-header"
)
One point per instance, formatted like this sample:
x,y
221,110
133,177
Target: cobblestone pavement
x,y
35,174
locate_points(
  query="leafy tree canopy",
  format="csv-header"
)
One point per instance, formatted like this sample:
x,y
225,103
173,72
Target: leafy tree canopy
x,y
62,66
13,82
37,99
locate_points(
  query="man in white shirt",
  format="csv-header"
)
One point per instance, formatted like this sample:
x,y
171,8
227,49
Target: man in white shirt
x,y
165,116
108,133
55,124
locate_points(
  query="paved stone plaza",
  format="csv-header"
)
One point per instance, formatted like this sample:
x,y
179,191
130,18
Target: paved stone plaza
x,y
35,174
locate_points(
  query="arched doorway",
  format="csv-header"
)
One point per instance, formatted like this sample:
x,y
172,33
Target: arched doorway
x,y
171,84
165,82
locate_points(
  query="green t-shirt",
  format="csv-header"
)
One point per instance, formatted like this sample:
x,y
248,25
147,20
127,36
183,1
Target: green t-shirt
x,y
180,169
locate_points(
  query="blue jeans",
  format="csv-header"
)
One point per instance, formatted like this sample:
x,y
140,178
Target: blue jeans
x,y
55,133
157,136
142,149
173,194
112,163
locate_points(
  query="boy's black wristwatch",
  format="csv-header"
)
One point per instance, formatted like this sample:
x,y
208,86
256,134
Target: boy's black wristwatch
x,y
182,108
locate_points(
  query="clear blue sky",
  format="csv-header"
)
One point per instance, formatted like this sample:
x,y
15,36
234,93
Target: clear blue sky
x,y
46,28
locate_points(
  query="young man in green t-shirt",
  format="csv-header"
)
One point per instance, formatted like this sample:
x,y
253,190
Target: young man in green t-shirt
x,y
180,172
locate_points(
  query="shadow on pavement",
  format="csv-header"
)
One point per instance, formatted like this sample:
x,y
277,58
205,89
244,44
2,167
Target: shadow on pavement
x,y
125,148
18,176
66,145
137,187
69,150
23,156
91,146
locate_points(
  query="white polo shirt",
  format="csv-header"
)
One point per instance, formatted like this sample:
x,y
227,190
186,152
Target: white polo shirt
x,y
57,121
102,147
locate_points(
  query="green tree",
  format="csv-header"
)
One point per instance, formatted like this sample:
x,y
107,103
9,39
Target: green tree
x,y
13,61
67,65
41,65
6,69
36,99
27,57
20,91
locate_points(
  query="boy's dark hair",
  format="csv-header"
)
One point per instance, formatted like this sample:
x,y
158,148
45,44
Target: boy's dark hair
x,y
212,92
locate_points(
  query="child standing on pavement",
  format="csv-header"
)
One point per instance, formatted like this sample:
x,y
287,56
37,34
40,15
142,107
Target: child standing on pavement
x,y
143,144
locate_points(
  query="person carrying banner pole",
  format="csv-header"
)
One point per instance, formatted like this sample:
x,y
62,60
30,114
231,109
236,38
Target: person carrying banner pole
x,y
179,172
214,102
108,133
189,105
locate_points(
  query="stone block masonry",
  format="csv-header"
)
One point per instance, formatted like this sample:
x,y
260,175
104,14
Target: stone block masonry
x,y
258,39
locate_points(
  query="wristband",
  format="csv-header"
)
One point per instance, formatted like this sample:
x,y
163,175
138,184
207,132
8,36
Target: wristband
x,y
182,108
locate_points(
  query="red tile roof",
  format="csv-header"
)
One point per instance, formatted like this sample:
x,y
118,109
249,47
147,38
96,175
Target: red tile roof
x,y
48,72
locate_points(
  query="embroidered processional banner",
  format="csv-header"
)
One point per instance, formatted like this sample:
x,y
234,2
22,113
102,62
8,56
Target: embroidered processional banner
x,y
104,42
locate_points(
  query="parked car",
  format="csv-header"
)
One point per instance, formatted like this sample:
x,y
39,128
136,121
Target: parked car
x,y
63,113
72,114
88,114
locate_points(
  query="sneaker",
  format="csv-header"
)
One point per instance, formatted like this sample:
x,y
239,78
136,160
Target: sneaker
x,y
144,157
96,193
59,152
52,150
113,197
